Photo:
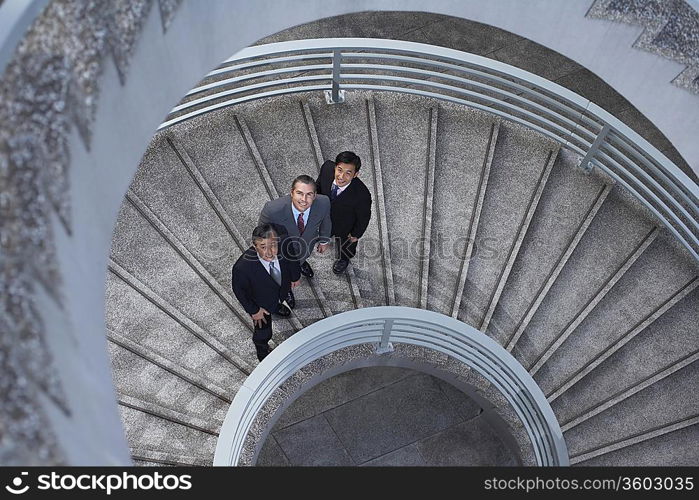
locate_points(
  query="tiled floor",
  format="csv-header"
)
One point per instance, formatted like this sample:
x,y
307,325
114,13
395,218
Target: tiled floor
x,y
383,416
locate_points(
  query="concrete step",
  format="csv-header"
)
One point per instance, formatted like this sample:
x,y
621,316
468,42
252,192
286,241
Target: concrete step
x,y
657,277
669,449
404,125
606,251
216,146
141,250
278,129
351,130
132,316
194,378
153,438
206,337
653,411
140,378
465,146
171,186
567,207
667,344
149,458
521,165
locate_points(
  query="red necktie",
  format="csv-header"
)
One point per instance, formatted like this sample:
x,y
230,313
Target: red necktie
x,y
300,224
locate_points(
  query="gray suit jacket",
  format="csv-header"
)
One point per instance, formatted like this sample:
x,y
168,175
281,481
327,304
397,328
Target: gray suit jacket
x,y
318,228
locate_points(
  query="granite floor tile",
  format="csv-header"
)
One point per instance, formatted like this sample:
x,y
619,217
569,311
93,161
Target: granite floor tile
x,y
408,456
271,455
393,417
339,390
312,442
640,124
466,406
592,87
470,443
467,36
535,58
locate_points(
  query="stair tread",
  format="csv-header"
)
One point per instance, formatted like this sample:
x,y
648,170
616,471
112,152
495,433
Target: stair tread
x,y
564,204
462,145
149,432
165,186
143,252
140,379
133,316
656,406
671,338
657,277
670,450
403,162
520,157
603,250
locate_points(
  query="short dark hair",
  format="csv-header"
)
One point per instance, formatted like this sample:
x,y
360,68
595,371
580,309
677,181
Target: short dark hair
x,y
351,158
305,179
263,231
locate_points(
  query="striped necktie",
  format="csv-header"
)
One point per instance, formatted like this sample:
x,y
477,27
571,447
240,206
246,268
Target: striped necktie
x,y
300,224
333,192
275,273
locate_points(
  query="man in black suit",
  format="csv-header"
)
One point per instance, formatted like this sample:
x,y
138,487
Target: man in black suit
x,y
350,204
261,279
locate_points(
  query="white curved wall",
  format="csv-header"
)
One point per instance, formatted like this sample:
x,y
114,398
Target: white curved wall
x,y
165,66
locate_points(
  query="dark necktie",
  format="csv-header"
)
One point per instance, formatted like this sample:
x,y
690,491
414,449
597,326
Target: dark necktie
x,y
300,224
333,192
275,273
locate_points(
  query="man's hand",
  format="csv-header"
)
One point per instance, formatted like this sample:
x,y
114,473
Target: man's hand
x,y
259,317
322,247
294,284
352,238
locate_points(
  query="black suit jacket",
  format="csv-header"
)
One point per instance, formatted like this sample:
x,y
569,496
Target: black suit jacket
x,y
350,212
255,288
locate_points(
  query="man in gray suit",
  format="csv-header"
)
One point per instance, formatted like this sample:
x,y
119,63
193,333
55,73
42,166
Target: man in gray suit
x,y
306,217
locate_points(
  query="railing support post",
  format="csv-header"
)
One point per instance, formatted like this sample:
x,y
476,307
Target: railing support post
x,y
385,346
586,163
335,96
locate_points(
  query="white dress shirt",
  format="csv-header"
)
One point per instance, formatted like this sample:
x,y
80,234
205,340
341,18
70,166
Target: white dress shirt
x,y
296,215
340,189
266,263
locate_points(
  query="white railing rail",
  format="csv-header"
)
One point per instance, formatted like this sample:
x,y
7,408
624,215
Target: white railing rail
x,y
383,327
335,65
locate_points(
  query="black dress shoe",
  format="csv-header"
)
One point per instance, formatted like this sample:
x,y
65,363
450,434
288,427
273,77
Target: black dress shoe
x,y
262,352
291,300
306,270
283,311
340,266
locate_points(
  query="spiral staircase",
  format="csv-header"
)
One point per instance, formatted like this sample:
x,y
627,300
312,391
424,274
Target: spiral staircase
x,y
560,266
594,295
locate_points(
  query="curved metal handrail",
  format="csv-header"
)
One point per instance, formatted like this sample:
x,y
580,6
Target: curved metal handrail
x,y
383,326
337,64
